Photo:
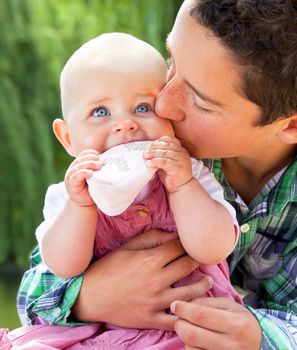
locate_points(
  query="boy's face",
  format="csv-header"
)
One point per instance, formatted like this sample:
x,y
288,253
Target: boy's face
x,y
210,114
114,106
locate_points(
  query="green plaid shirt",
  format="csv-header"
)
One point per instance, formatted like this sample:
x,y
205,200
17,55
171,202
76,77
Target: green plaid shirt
x,y
264,263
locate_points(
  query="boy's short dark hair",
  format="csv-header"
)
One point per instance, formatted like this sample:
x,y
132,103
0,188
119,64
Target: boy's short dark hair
x,y
262,37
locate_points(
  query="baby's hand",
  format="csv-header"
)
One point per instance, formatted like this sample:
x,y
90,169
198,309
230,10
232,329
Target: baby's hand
x,y
78,172
173,160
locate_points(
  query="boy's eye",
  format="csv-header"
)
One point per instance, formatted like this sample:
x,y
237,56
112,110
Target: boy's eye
x,y
100,112
143,108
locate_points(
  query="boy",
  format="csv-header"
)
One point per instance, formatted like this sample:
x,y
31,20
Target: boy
x,y
277,292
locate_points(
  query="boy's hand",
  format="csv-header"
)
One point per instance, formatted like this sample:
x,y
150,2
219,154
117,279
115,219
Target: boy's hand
x,y
78,172
167,154
216,323
142,303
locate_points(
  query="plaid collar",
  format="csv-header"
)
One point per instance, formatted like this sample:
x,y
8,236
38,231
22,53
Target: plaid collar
x,y
272,199
286,192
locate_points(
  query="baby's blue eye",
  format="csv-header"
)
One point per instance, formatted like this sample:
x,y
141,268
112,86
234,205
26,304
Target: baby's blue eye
x,y
143,108
100,112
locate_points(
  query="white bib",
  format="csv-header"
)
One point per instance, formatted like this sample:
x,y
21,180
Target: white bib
x,y
115,186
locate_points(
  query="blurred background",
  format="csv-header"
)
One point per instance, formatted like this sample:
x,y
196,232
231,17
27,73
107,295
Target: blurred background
x,y
36,39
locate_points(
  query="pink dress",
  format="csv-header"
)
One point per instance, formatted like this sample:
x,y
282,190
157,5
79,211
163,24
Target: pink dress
x,y
152,211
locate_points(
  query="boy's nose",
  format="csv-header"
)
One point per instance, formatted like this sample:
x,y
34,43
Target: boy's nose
x,y
126,125
169,102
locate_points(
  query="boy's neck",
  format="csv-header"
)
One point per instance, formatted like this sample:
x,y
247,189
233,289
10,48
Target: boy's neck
x,y
247,175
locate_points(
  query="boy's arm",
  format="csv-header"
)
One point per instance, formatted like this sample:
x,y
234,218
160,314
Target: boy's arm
x,y
279,329
144,294
43,296
278,316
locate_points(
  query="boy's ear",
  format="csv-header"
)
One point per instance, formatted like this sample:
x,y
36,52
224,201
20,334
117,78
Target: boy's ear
x,y
289,133
60,128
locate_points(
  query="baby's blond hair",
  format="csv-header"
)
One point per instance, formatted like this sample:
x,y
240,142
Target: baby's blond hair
x,y
115,51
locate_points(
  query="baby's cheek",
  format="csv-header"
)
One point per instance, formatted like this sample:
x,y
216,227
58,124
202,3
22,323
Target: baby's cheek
x,y
92,142
165,127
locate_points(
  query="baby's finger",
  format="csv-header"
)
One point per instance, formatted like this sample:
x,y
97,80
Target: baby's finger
x,y
161,144
167,157
86,165
169,139
159,154
85,158
89,164
80,176
161,163
163,149
88,151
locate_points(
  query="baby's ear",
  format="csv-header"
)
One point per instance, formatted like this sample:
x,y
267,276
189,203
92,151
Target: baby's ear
x,y
60,128
289,133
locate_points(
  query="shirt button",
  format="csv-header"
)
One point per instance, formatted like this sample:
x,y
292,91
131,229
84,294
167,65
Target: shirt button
x,y
141,213
244,228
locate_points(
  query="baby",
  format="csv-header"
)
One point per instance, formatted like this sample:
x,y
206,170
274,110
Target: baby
x,y
108,91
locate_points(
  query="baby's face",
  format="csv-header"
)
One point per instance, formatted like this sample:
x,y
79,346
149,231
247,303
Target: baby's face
x,y
115,105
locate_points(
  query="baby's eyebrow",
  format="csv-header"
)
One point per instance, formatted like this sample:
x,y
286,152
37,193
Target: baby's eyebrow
x,y
100,100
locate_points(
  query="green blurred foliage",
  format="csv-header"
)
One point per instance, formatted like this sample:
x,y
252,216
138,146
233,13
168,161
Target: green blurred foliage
x,y
36,38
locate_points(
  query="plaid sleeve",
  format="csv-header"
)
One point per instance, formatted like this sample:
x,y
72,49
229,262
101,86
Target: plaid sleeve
x,y
278,332
46,296
279,318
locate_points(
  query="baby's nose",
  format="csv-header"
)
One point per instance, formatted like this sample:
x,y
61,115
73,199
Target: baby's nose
x,y
127,125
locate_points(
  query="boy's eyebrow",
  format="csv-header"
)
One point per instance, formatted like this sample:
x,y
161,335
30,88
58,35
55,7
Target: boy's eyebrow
x,y
204,97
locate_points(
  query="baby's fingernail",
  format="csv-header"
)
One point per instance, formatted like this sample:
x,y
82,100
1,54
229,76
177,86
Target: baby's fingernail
x,y
173,306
